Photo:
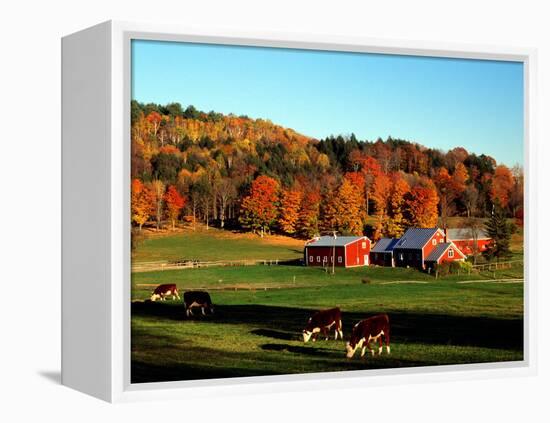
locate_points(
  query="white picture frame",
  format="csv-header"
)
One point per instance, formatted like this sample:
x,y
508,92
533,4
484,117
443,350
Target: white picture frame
x,y
96,256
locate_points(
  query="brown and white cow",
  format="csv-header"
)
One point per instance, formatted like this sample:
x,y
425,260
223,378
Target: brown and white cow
x,y
163,291
371,329
197,299
323,321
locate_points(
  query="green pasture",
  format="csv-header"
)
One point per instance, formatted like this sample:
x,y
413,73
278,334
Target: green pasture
x,y
215,244
260,312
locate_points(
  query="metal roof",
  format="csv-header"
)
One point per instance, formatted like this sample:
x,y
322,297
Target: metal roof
x,y
329,241
457,234
438,251
416,237
385,245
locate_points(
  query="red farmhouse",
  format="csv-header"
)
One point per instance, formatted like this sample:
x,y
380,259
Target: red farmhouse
x,y
463,238
347,251
421,247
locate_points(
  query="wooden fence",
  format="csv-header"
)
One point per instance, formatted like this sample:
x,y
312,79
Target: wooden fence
x,y
195,264
496,265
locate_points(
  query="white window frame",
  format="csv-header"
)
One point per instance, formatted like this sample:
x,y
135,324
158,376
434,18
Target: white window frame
x,y
339,259
451,253
311,259
318,259
364,245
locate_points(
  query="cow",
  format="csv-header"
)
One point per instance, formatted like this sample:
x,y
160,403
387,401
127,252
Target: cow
x,y
197,299
323,321
163,291
371,329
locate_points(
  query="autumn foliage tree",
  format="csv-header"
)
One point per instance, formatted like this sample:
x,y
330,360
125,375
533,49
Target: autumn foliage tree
x,y
502,185
308,215
143,203
259,208
343,210
174,203
421,203
396,224
381,192
289,210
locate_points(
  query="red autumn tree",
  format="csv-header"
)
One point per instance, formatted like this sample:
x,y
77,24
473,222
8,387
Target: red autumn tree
x,y
154,119
289,210
143,203
174,202
259,208
502,185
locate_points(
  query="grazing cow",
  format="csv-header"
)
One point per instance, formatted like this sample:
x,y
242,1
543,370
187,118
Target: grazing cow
x,y
371,329
165,290
323,321
197,299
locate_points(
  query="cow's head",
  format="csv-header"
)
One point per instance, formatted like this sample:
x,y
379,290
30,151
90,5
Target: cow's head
x,y
309,330
355,342
155,297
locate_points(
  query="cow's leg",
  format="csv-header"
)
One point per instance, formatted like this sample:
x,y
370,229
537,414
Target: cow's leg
x,y
387,339
324,329
340,330
380,345
202,311
363,350
190,311
211,310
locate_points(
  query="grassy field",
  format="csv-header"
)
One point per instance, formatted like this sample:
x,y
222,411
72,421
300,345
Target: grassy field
x,y
261,310
215,244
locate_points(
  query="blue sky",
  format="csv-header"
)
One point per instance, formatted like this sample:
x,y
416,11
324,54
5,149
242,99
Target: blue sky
x,y
440,103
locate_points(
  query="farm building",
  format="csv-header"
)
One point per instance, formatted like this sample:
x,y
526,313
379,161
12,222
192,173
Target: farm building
x,y
464,239
382,252
345,251
445,252
417,244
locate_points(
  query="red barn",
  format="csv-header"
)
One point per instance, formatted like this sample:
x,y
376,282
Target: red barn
x,y
444,252
465,240
346,251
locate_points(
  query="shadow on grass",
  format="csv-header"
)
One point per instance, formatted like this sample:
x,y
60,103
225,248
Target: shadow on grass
x,y
287,323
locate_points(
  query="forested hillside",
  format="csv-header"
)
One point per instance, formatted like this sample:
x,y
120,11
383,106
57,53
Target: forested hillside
x,y
252,174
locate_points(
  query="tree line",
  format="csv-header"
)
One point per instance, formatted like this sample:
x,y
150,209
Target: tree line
x,y
254,175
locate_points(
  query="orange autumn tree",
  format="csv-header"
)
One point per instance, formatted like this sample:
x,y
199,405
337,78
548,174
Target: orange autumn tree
x,y
143,203
395,226
369,168
289,210
381,192
449,187
343,210
421,205
174,203
259,208
502,185
308,216
350,206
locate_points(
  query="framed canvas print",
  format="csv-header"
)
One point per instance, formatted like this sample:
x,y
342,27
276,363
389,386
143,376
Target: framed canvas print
x,y
250,212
